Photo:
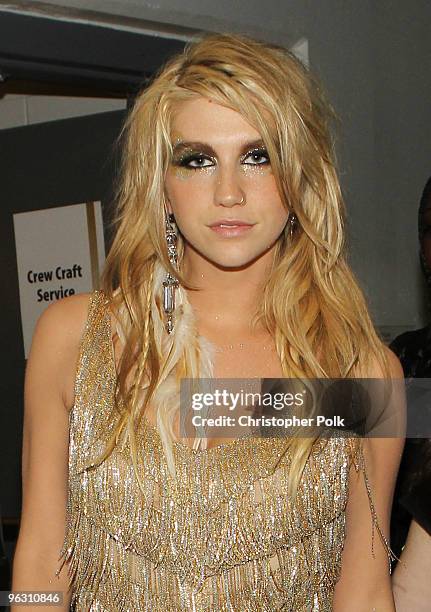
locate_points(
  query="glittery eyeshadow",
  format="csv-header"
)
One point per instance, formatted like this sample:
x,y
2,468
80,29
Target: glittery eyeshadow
x,y
184,154
256,169
181,158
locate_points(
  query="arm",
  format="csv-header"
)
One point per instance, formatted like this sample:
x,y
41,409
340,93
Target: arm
x,y
411,579
48,397
365,583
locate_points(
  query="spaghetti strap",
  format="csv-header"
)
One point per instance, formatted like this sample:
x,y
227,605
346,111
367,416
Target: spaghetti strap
x,y
96,313
358,460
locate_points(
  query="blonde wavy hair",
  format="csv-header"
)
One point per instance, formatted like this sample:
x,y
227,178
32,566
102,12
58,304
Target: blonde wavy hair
x,y
311,304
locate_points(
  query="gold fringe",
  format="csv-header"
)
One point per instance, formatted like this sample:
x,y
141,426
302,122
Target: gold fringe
x,y
223,537
359,463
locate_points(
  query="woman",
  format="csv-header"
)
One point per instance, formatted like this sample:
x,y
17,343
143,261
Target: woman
x,y
229,206
411,516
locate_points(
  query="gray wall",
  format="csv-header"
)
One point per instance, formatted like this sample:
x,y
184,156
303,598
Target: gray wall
x,y
402,152
374,58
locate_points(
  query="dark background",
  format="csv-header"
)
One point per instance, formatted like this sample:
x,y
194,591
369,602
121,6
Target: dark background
x,y
43,166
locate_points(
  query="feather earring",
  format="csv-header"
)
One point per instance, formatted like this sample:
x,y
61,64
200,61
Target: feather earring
x,y
183,342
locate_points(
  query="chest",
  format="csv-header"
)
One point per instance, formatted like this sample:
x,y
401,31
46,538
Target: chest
x,y
255,360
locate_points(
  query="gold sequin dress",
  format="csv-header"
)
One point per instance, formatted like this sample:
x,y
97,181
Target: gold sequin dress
x,y
224,538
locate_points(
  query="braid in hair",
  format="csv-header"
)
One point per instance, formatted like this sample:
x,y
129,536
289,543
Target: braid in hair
x,y
146,343
128,416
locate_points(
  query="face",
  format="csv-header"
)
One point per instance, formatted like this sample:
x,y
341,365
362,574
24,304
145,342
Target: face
x,y
221,188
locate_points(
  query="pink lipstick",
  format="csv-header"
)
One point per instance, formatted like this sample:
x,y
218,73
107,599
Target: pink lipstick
x,y
230,228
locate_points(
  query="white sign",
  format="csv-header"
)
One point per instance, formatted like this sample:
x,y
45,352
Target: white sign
x,y
60,252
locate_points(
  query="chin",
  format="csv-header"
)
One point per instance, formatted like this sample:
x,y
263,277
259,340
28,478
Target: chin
x,y
230,261
228,256
232,265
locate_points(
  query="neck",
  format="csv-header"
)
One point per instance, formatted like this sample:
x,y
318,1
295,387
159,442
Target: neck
x,y
226,299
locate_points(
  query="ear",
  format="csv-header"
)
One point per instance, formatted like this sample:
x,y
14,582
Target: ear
x,y
168,205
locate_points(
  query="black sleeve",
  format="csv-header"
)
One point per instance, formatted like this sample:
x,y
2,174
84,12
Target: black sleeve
x,y
415,493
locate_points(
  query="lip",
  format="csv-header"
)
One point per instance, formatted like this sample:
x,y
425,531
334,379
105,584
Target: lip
x,y
231,222
231,228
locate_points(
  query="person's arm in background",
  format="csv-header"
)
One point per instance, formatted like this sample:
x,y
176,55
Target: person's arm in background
x,y
411,580
365,581
412,576
48,397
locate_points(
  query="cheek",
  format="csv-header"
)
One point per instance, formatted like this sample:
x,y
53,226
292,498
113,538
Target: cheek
x,y
261,182
184,198
269,201
280,220
184,189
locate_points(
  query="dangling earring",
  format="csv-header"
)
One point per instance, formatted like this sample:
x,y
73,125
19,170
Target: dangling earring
x,y
170,284
292,225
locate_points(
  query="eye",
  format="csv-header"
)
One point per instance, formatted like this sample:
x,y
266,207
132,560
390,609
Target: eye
x,y
195,161
257,157
199,161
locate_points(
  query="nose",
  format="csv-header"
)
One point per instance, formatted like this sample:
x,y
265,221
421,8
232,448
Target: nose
x,y
228,190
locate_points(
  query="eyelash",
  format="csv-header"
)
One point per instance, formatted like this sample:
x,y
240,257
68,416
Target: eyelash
x,y
188,158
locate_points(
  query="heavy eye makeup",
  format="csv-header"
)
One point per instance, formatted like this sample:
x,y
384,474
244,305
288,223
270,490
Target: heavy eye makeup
x,y
188,159
259,158
192,159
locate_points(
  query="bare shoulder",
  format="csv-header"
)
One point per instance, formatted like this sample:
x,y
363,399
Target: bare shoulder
x,y
56,341
376,367
61,324
69,310
386,451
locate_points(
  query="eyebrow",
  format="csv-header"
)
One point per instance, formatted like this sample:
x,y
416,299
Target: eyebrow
x,y
206,148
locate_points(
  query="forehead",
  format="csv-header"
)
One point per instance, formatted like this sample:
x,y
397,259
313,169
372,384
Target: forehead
x,y
204,119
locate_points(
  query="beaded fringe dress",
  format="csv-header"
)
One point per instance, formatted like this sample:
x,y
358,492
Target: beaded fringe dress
x,y
222,537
